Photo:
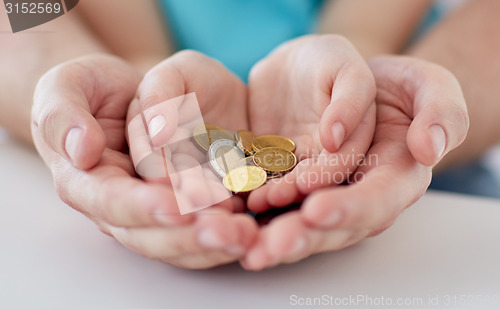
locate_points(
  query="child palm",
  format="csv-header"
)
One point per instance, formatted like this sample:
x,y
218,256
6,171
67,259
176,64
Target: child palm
x,y
319,92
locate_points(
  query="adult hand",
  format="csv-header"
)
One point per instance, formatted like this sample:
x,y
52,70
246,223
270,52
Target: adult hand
x,y
319,92
79,118
78,125
421,115
217,235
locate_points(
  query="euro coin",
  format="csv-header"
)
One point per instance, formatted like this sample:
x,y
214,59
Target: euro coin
x,y
275,160
224,156
248,161
244,140
274,175
268,141
205,135
244,179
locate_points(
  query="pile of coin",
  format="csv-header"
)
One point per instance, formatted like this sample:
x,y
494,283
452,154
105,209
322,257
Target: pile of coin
x,y
243,160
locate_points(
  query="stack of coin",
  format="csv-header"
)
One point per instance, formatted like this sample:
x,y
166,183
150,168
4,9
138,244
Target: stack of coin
x,y
243,160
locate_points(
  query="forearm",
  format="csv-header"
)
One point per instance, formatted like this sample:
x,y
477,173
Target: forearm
x,y
374,27
25,57
132,32
467,43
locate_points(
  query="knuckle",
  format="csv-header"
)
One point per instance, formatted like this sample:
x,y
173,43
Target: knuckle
x,y
44,108
355,108
45,120
146,252
130,239
354,213
62,184
330,39
188,54
258,70
465,124
149,100
184,59
62,191
107,209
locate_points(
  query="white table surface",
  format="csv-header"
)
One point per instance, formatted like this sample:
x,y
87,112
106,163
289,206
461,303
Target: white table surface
x,y
445,247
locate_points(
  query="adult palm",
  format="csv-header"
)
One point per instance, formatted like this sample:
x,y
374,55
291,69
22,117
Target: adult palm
x,y
421,115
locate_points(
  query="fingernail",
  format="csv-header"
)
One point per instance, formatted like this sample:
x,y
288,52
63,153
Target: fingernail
x,y
235,250
299,246
209,239
156,125
438,139
338,133
332,219
73,142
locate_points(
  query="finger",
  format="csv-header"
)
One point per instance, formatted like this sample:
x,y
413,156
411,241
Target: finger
x,y
203,260
208,259
288,240
160,96
66,100
440,121
378,197
353,91
258,258
183,73
63,123
283,238
279,192
215,231
111,195
335,168
318,172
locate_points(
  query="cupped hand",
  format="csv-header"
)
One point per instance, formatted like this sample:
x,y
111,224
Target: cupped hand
x,y
178,95
318,91
78,126
421,115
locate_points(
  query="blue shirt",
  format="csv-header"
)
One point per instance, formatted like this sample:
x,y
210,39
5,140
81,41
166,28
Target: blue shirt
x,y
239,32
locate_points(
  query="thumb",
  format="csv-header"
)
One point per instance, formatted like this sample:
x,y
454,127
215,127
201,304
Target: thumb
x,y
436,105
66,100
62,123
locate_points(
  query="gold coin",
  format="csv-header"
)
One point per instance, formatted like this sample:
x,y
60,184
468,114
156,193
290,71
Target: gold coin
x,y
267,141
275,160
245,179
205,135
274,175
244,140
248,161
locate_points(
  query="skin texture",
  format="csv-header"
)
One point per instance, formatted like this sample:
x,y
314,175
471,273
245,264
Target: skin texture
x,y
301,91
97,177
224,99
473,60
384,32
130,32
412,95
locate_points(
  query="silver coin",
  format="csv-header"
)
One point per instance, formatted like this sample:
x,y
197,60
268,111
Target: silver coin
x,y
224,156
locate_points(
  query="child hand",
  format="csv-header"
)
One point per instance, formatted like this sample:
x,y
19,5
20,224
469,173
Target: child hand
x,y
217,235
319,92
